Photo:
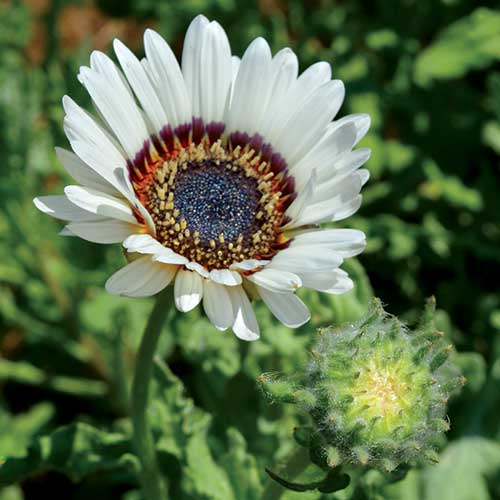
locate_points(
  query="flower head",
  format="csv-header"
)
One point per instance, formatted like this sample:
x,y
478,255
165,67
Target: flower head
x,y
376,392
215,175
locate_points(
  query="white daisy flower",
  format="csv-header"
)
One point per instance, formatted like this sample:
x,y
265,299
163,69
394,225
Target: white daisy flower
x,y
215,175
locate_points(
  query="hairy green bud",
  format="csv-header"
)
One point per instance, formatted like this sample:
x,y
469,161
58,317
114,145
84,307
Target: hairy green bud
x,y
378,390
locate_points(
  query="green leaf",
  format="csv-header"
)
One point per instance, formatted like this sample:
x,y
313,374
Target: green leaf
x,y
491,135
382,39
473,368
462,471
174,417
334,482
472,42
26,373
241,467
76,450
213,353
11,493
290,485
16,432
450,188
202,477
331,483
406,489
215,472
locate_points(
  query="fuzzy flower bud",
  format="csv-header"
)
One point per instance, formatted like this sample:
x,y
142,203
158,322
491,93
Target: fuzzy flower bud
x,y
376,392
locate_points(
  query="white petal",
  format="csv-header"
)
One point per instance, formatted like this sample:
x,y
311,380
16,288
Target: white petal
x,y
141,278
82,173
284,70
249,264
107,87
217,305
313,77
347,209
105,231
343,165
188,290
305,258
364,175
361,122
287,307
235,67
145,243
101,64
168,256
331,204
307,125
194,266
134,201
167,78
100,203
322,157
276,280
65,232
339,188
304,198
347,242
142,243
137,204
298,93
245,324
285,66
192,63
251,89
141,85
335,282
94,147
226,277
60,207
215,73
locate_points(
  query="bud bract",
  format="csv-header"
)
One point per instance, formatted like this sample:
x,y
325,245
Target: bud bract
x,y
378,391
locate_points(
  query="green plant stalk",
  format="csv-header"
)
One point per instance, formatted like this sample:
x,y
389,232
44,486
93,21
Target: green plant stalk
x,y
153,485
295,463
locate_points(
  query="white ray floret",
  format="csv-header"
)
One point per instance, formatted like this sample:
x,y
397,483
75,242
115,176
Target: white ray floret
x,y
250,125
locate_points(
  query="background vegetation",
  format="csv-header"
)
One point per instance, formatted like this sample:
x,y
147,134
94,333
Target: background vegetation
x,y
428,73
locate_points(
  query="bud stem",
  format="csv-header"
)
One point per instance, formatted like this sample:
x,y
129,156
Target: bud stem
x,y
153,485
296,462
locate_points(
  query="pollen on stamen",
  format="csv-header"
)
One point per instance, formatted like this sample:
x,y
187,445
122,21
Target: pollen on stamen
x,y
215,202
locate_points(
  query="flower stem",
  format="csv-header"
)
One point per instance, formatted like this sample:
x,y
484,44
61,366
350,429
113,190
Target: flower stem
x,y
153,485
295,463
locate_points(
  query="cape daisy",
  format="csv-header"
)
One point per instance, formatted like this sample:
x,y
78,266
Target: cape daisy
x,y
215,175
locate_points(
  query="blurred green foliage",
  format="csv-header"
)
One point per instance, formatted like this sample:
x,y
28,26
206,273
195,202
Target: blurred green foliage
x,y
428,73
